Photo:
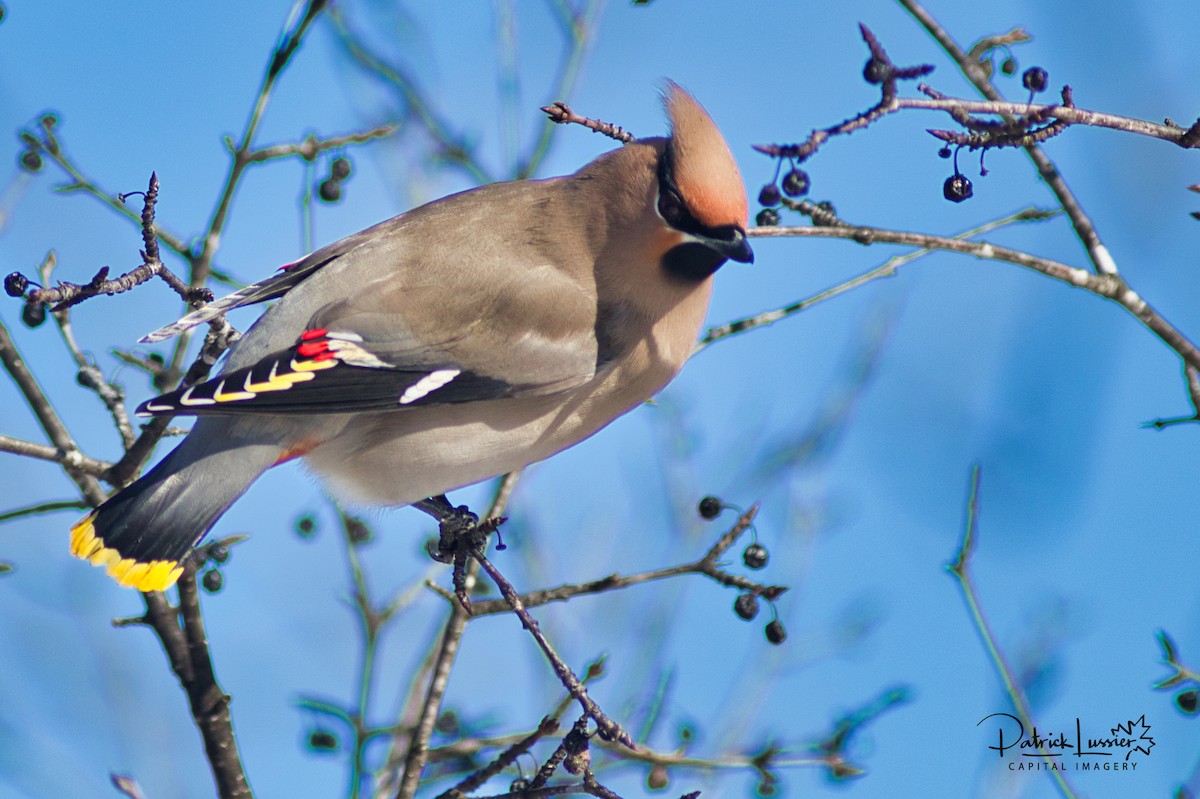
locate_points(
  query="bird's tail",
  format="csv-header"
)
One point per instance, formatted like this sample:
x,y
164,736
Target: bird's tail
x,y
143,533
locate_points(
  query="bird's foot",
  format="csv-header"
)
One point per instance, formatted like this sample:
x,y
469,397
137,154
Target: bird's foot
x,y
460,533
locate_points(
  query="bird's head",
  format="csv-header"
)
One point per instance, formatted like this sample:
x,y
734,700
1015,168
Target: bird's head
x,y
700,191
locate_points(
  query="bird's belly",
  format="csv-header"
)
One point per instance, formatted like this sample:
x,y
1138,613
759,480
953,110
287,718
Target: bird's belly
x,y
399,457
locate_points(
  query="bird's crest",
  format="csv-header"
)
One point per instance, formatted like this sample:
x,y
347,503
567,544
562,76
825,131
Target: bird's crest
x,y
704,169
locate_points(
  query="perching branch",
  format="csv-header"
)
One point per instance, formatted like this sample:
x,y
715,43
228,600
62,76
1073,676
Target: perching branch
x,y
708,565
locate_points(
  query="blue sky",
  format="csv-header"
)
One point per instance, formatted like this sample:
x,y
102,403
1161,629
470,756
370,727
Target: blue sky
x,y
1088,535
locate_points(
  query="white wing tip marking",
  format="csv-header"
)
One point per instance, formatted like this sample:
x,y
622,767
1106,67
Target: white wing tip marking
x,y
429,383
151,408
186,399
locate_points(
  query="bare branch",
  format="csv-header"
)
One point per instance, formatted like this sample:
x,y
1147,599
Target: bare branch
x,y
561,113
1109,286
181,631
1101,258
707,565
311,147
39,403
72,459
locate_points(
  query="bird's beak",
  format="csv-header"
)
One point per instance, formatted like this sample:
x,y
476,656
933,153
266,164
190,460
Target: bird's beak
x,y
736,248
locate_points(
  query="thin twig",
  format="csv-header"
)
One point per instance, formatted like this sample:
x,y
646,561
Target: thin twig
x,y
960,568
1110,286
886,269
561,113
608,728
64,295
547,726
708,565
451,146
43,507
71,458
312,146
127,785
953,105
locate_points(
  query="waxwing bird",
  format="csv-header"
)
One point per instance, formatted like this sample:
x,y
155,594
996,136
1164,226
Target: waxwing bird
x,y
461,340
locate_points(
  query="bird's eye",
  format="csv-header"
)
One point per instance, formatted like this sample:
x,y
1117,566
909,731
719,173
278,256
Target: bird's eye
x,y
670,206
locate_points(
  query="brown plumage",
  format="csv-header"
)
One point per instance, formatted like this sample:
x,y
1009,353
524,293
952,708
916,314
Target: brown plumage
x,y
461,340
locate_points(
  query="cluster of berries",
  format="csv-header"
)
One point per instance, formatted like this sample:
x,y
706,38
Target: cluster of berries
x,y
795,184
958,186
330,189
754,556
34,312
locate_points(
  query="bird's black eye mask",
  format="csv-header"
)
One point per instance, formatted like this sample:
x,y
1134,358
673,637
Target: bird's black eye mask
x,y
694,259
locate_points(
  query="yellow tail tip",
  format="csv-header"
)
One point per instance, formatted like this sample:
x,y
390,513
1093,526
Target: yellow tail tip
x,y
154,575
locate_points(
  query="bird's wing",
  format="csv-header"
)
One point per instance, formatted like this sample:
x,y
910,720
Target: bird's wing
x,y
451,302
329,371
365,354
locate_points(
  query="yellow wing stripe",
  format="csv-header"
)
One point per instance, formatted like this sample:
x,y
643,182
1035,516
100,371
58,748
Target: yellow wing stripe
x,y
155,575
276,382
307,367
279,382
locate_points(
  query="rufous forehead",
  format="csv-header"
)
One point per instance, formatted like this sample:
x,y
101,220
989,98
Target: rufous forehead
x,y
704,169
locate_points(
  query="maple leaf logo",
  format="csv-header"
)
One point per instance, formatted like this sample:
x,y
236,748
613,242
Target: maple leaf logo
x,y
1139,731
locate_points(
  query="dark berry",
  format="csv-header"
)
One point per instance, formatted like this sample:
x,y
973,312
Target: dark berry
x,y
212,581
322,741
15,284
944,152
156,358
357,531
775,632
1008,67
518,785
657,779
33,314
341,168
767,217
1035,79
876,71
957,188
746,606
1187,701
710,508
447,723
31,161
330,190
795,183
48,121
769,195
218,553
755,556
306,526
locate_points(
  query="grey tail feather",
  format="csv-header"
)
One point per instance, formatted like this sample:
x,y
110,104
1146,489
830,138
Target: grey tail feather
x,y
166,513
